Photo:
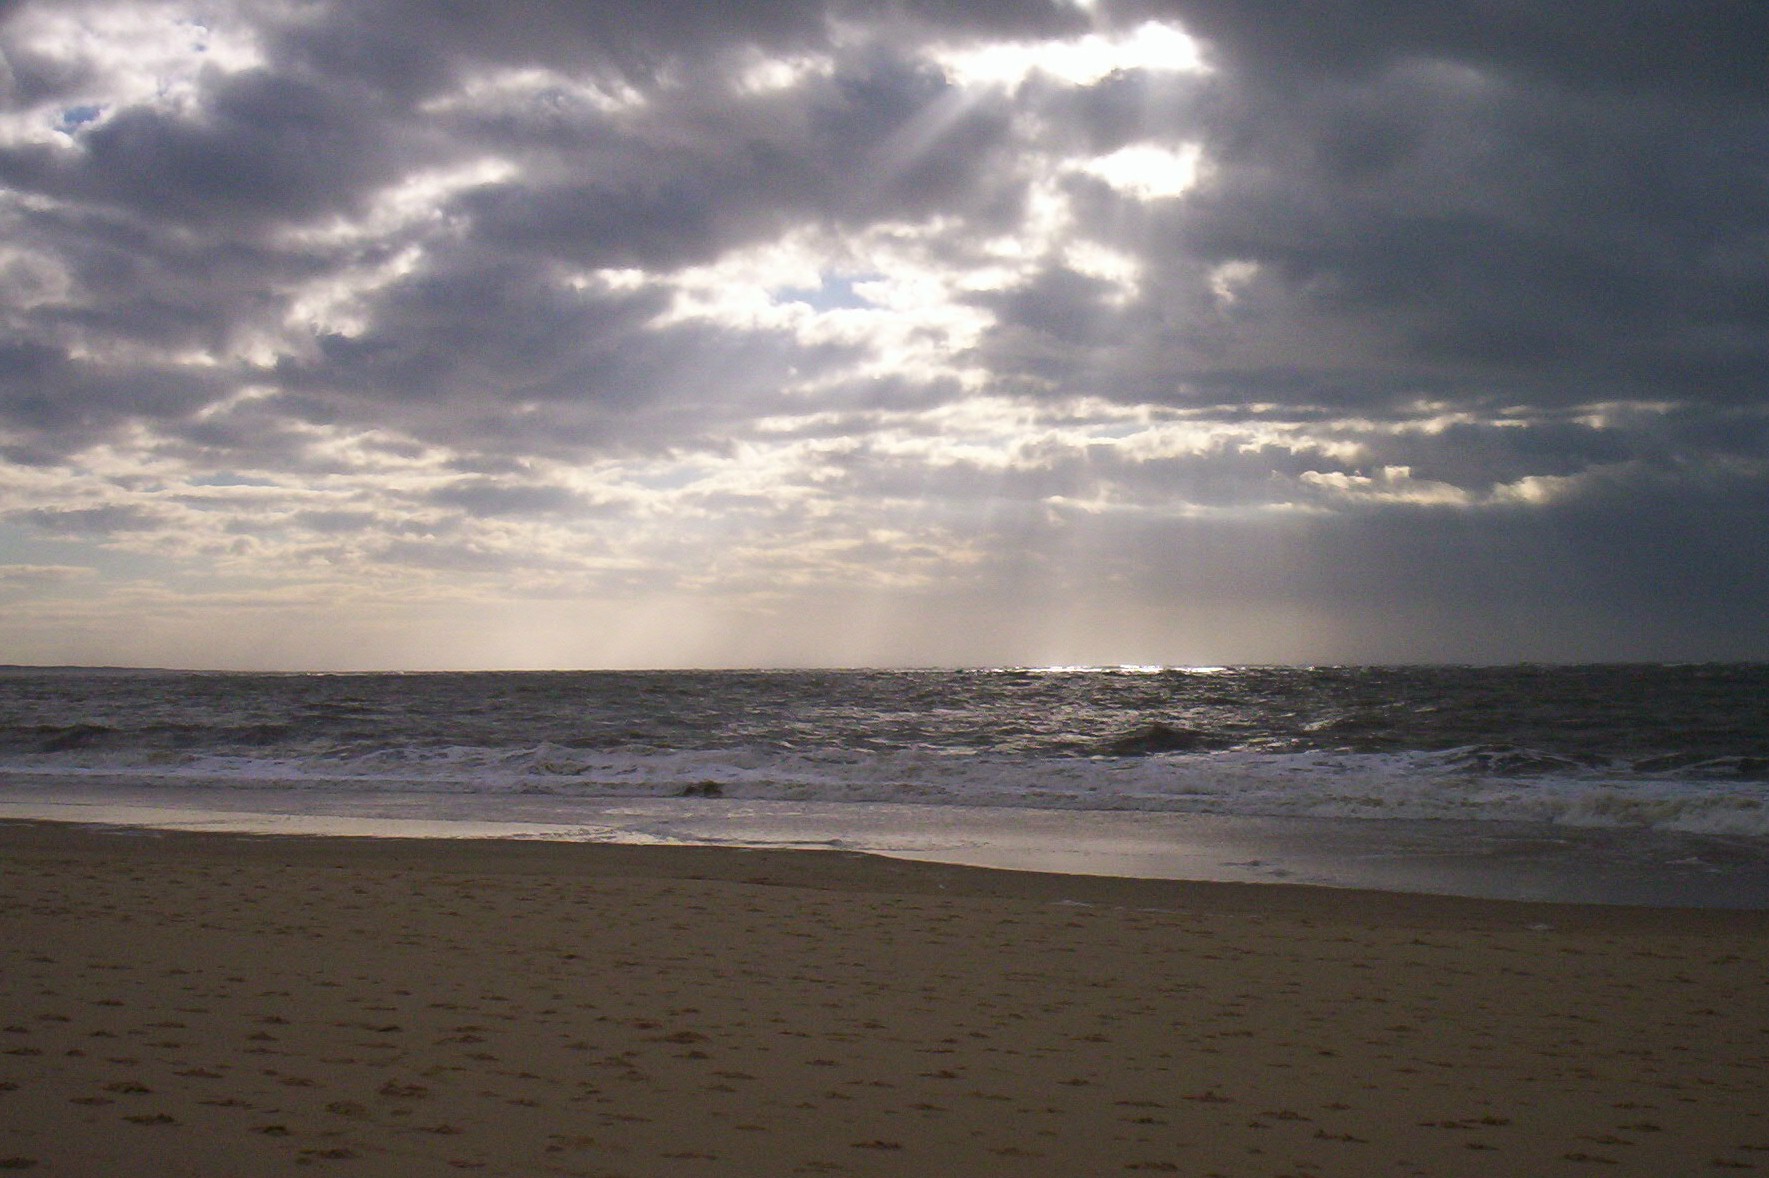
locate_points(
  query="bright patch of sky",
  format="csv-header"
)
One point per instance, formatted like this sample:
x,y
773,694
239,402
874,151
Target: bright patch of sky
x,y
1147,171
759,73
1082,61
899,300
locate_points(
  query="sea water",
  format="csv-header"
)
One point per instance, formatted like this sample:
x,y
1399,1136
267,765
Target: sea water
x,y
1646,782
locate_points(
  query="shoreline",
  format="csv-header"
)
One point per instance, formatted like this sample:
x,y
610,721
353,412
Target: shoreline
x,y
244,1005
837,869
1477,858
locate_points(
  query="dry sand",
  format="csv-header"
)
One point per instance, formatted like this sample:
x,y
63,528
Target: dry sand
x,y
229,1005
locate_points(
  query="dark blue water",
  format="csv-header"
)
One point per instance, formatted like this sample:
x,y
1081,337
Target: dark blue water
x,y
1677,747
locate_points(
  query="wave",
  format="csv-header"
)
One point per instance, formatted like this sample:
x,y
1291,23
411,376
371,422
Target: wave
x,y
1156,737
1158,770
80,737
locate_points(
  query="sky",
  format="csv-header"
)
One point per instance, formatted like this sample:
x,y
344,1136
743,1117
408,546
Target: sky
x,y
410,334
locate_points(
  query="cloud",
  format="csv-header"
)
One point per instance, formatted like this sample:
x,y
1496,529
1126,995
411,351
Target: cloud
x,y
1493,201
1077,315
39,576
94,521
484,497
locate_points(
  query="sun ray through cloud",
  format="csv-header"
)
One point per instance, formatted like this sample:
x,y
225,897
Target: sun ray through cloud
x,y
1120,322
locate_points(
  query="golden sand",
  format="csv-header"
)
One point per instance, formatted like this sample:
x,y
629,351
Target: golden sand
x,y
229,1005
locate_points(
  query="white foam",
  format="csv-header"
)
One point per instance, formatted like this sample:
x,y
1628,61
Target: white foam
x,y
1371,786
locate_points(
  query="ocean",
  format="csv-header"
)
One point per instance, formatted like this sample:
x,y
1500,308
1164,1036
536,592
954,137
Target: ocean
x,y
1629,783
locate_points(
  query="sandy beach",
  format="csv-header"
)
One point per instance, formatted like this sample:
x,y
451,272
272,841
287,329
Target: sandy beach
x,y
216,1005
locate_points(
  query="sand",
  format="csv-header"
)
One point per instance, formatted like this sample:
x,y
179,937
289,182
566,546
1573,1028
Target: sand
x,y
215,1005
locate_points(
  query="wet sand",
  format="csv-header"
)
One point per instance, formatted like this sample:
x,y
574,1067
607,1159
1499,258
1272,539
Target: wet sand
x,y
216,1005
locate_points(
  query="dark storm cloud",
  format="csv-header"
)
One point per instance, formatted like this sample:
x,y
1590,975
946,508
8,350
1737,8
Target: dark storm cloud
x,y
702,170
484,497
341,522
1638,566
52,402
529,369
509,329
1554,203
91,521
157,284
1705,49
1611,580
264,149
415,47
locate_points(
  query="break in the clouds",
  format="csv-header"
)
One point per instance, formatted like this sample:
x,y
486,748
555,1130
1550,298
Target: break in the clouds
x,y
394,332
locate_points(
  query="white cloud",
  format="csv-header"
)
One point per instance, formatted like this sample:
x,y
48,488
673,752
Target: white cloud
x,y
1389,484
908,313
37,576
138,54
1229,279
417,198
1537,490
1118,269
